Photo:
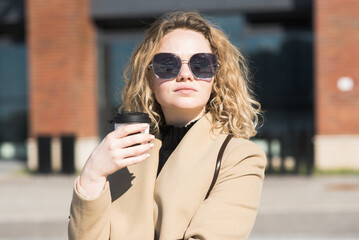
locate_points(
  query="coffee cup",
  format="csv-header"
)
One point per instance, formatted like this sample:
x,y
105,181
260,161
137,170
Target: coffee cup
x,y
124,118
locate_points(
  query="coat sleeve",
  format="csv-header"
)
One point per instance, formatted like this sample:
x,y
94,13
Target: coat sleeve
x,y
90,219
231,208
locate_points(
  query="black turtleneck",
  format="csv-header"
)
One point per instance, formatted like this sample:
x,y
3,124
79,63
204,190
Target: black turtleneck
x,y
171,137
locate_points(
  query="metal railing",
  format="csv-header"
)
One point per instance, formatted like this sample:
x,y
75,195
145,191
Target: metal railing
x,y
288,153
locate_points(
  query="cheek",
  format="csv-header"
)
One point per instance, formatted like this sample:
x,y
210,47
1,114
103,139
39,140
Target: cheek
x,y
160,91
208,90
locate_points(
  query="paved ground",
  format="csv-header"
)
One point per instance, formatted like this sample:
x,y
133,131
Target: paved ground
x,y
292,208
309,208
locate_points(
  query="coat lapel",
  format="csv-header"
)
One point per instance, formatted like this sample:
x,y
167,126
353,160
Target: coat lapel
x,y
185,178
132,197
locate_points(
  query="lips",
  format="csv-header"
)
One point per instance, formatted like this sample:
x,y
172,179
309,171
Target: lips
x,y
185,89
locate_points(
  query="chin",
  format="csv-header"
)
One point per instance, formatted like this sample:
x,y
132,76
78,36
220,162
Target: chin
x,y
188,107
183,104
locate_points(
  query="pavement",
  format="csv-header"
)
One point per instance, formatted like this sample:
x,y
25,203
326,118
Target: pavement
x,y
36,207
315,207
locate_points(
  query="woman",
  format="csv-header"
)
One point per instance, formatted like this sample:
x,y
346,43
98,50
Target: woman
x,y
193,84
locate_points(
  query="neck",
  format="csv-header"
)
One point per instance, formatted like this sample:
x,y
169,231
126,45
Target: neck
x,y
182,118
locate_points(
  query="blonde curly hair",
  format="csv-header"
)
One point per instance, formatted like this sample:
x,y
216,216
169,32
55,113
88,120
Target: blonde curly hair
x,y
231,105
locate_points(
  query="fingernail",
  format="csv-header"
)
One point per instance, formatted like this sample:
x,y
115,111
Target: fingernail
x,y
151,145
152,136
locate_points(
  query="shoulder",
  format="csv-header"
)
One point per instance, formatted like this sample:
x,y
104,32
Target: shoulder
x,y
244,145
244,152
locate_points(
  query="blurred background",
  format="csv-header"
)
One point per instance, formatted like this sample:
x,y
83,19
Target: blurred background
x,y
61,65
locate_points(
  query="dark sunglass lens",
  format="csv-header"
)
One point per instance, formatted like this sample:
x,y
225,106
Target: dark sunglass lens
x,y
166,65
204,65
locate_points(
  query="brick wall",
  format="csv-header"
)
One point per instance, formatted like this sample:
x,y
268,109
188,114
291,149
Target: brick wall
x,y
62,68
337,55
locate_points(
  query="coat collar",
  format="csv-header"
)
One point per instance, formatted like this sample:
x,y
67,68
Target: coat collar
x,y
195,140
203,125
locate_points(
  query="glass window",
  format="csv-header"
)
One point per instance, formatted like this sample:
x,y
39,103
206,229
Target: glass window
x,y
13,100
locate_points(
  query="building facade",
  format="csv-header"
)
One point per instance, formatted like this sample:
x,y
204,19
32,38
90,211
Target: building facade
x,y
337,84
302,55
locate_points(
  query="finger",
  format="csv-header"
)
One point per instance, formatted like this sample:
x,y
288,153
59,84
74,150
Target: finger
x,y
135,139
129,129
135,150
134,160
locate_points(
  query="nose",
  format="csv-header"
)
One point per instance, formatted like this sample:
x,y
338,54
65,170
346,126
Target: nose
x,y
185,72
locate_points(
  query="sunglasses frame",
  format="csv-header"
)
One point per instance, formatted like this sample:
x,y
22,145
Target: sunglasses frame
x,y
188,62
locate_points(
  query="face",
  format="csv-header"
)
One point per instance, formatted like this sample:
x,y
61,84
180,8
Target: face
x,y
184,93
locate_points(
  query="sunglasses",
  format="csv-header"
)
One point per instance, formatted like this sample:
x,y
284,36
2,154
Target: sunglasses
x,y
168,65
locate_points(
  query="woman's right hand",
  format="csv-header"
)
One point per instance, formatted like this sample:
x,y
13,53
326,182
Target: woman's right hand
x,y
114,152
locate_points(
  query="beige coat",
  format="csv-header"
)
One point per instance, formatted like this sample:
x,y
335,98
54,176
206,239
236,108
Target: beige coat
x,y
135,205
